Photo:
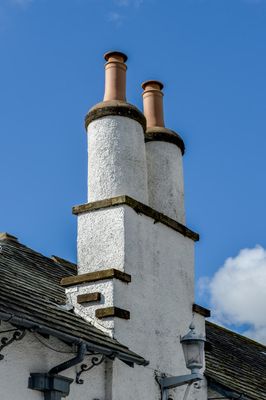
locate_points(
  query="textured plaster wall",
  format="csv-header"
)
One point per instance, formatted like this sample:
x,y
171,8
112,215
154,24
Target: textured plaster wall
x,y
101,240
87,311
117,159
159,298
29,355
165,179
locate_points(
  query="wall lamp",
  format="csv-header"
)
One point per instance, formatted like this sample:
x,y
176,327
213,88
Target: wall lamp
x,y
193,348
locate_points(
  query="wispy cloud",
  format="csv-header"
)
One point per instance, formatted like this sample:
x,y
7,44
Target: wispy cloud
x,y
119,13
122,3
115,17
237,292
127,3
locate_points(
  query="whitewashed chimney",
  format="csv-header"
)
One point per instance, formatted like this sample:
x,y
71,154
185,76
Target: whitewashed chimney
x,y
117,174
117,161
164,151
135,277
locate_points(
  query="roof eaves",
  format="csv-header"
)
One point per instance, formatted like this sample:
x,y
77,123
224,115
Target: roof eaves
x,y
127,356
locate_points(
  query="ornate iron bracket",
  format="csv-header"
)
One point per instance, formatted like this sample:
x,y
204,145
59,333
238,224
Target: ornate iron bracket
x,y
97,360
18,334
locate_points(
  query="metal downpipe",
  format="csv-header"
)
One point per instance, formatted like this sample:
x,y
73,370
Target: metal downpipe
x,y
70,363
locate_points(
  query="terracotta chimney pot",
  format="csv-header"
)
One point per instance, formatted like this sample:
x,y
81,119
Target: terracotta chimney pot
x,y
153,103
115,76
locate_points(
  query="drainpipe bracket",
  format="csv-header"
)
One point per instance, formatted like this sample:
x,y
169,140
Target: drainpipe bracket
x,y
54,387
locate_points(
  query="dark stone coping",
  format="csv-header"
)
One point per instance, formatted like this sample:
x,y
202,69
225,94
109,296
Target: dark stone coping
x,y
88,297
162,134
115,107
140,208
111,273
65,263
7,236
112,312
201,310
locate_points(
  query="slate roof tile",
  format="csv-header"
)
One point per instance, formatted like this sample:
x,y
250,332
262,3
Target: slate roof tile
x,y
236,362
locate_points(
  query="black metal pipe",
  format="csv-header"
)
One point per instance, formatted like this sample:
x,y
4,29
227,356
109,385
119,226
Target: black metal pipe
x,y
70,363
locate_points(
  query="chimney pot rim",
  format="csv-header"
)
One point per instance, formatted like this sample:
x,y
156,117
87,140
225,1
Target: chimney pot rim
x,y
151,81
113,53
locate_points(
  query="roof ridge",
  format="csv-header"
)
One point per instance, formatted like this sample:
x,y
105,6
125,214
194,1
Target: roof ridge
x,y
13,242
8,236
63,262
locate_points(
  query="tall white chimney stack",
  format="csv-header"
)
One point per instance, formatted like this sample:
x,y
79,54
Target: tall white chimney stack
x,y
116,149
164,150
135,278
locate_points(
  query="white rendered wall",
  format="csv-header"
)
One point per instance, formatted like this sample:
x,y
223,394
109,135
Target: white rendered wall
x,y
29,355
117,160
159,298
165,179
101,240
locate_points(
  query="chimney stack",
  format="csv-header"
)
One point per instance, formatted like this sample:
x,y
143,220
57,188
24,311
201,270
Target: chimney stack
x,y
135,269
115,76
164,150
117,159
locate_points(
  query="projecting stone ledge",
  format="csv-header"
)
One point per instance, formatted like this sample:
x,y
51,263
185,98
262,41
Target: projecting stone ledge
x,y
100,275
112,312
88,297
140,208
201,310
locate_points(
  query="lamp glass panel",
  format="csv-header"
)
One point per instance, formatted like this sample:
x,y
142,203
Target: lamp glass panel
x,y
193,352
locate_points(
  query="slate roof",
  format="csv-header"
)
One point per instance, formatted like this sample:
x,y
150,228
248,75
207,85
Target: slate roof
x,y
235,362
30,290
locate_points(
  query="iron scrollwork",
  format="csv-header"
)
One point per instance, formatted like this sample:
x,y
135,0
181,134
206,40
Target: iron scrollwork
x,y
84,367
18,334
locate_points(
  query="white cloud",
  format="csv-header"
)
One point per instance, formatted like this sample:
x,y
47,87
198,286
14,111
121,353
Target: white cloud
x,y
237,292
115,17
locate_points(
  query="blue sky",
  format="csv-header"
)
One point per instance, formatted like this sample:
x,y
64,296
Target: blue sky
x,y
211,56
